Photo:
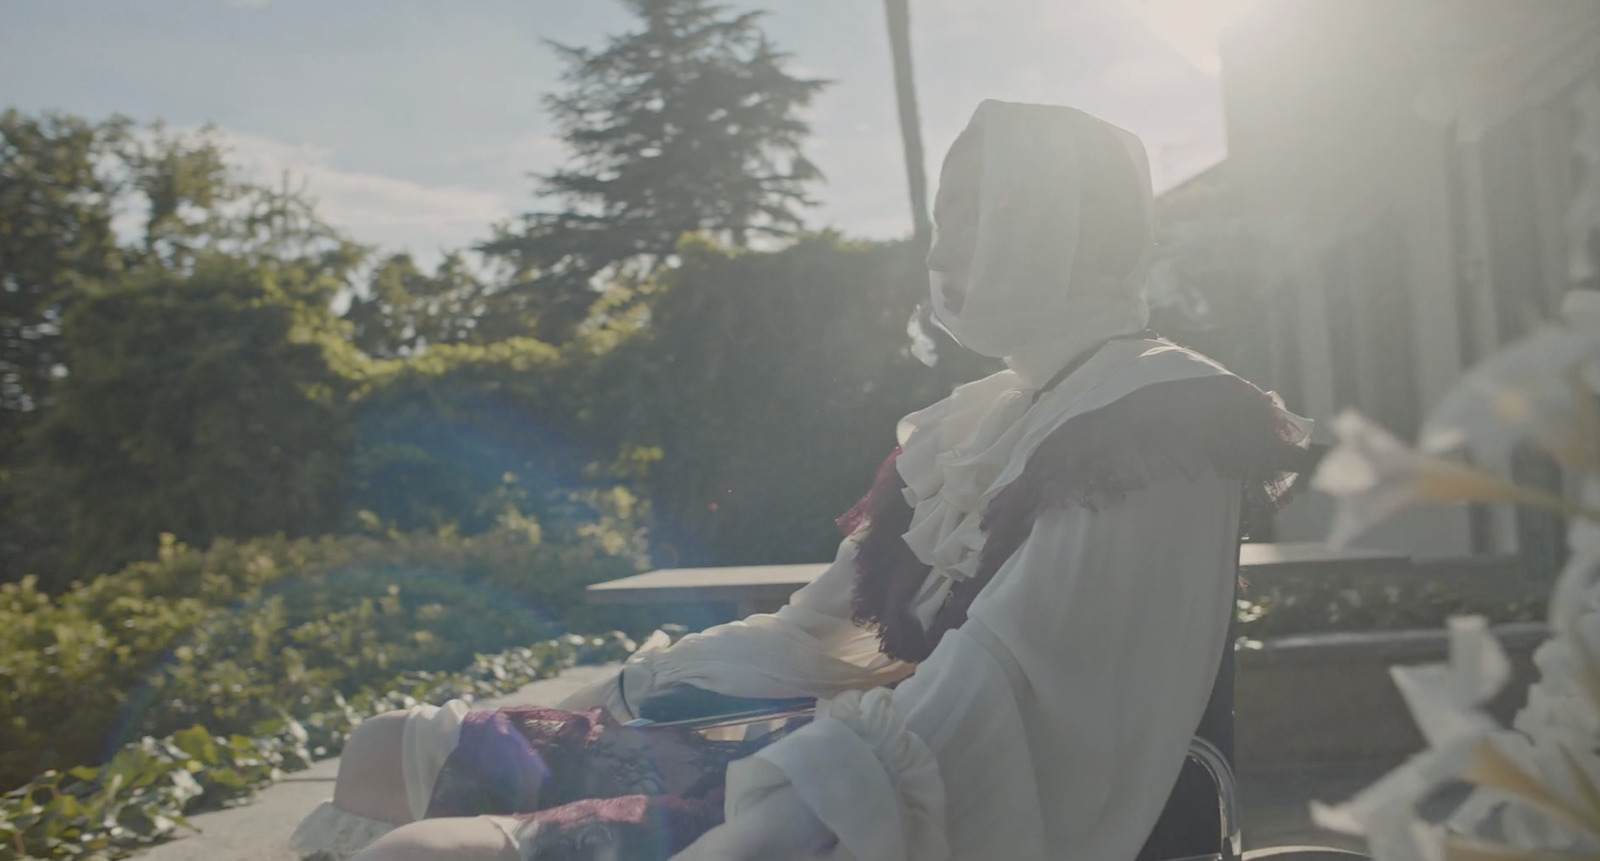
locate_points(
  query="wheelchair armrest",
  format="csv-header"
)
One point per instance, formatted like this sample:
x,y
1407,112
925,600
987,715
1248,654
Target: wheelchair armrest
x,y
687,703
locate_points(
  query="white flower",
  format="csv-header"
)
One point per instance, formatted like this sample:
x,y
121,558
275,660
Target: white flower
x,y
1580,309
1444,699
1373,475
1536,786
1541,784
1529,391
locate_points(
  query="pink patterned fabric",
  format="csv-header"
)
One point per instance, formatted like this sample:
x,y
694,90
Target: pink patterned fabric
x,y
597,789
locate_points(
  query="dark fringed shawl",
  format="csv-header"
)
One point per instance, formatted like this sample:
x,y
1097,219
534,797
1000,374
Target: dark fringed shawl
x,y
1160,433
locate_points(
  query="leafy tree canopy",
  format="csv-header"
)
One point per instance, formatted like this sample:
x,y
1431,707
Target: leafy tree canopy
x,y
689,123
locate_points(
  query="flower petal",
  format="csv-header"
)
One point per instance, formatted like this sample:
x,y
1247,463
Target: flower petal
x,y
1370,472
1519,393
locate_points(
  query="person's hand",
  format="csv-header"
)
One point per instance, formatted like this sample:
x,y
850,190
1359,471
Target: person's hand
x,y
779,827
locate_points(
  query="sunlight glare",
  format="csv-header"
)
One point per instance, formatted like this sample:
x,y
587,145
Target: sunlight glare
x,y
1194,27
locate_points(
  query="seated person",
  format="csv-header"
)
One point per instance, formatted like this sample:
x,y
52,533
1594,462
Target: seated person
x,y
1021,630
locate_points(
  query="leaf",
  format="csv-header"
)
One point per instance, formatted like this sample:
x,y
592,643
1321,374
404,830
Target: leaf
x,y
140,795
197,742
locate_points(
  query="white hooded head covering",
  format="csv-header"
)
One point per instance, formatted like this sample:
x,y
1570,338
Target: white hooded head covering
x,y
1064,230
1052,177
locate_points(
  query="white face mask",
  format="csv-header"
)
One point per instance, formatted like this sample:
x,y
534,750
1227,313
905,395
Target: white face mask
x,y
940,288
1021,290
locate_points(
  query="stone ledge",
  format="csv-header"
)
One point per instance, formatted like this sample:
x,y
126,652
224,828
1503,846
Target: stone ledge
x,y
1392,646
1327,701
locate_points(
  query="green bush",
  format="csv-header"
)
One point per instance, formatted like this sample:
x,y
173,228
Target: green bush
x,y
227,402
769,383
141,794
206,403
240,633
1323,604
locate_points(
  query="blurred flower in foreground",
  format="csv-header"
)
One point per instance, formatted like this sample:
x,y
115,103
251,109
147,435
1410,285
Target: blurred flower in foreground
x,y
1533,391
1539,389
1535,786
1373,475
1444,700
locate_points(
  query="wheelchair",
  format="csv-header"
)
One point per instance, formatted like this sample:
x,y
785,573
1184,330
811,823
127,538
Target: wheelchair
x,y
698,710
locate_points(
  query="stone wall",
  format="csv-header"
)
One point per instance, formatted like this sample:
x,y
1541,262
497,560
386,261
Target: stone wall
x,y
1327,701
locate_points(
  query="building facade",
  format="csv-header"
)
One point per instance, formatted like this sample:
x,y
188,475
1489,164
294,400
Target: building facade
x,y
1422,183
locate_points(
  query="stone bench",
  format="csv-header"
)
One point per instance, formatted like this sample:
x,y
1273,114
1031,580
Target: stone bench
x,y
740,591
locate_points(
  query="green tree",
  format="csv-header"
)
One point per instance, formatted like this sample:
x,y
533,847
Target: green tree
x,y
63,182
405,310
689,123
462,435
204,404
770,383
84,207
56,238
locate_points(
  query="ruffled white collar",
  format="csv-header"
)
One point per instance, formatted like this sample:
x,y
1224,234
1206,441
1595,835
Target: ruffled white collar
x,y
957,454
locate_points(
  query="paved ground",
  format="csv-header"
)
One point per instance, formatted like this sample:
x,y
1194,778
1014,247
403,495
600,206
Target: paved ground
x,y
1275,809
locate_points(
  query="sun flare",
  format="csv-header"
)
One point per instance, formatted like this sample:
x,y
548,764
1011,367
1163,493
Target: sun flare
x,y
1194,27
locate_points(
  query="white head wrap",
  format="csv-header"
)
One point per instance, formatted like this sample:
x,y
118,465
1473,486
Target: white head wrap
x,y
1028,299
1046,172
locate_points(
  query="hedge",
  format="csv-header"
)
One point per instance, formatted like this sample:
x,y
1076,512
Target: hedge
x,y
233,636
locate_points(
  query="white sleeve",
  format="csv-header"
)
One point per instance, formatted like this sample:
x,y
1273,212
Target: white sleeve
x,y
1054,722
810,647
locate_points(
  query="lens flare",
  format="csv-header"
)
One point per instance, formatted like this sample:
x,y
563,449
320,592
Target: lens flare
x,y
1194,27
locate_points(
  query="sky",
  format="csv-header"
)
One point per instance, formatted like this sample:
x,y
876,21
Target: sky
x,y
415,123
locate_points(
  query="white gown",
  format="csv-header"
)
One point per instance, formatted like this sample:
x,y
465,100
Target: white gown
x,y
1052,724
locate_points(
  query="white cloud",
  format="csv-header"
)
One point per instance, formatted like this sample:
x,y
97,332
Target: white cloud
x,y
534,152
374,208
249,4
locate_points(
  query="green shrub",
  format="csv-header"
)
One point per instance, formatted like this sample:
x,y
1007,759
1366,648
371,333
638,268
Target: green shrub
x,y
205,403
769,383
1322,604
141,794
240,633
226,401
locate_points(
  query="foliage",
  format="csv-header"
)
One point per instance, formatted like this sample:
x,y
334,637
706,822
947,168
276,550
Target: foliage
x,y
202,404
686,124
55,238
1321,604
748,395
63,180
405,310
769,384
230,636
456,436
142,793
228,402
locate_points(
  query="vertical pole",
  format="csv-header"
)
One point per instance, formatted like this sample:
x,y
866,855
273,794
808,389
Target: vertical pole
x,y
905,91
